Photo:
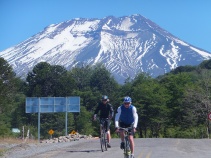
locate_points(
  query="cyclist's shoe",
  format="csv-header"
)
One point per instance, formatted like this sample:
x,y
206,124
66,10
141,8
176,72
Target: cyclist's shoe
x,y
132,156
122,145
109,146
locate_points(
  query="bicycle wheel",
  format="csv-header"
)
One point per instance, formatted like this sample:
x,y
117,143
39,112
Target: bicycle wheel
x,y
105,141
126,155
127,151
102,142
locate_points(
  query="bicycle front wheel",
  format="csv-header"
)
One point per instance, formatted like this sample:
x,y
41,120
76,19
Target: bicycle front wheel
x,y
127,154
105,141
127,151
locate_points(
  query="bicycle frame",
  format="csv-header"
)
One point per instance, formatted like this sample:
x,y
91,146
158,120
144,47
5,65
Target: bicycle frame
x,y
103,137
127,149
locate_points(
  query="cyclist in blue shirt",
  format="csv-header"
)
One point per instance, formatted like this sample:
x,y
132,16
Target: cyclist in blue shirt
x,y
126,116
106,111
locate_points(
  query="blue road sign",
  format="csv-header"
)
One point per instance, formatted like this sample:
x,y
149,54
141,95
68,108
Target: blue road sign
x,y
52,104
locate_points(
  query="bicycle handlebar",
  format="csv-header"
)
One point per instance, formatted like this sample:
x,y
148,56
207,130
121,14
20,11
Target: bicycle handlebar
x,y
126,129
103,119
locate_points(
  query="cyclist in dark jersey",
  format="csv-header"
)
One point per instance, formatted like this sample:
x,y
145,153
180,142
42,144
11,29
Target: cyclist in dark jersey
x,y
106,111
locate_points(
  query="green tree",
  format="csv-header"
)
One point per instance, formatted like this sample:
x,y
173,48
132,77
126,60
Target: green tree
x,y
82,75
150,99
205,64
9,87
181,69
84,122
47,80
176,86
101,80
198,100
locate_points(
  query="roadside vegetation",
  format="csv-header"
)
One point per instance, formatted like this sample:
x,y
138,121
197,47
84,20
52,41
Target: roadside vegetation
x,y
174,105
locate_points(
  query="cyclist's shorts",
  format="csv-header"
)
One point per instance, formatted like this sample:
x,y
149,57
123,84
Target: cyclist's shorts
x,y
107,123
123,125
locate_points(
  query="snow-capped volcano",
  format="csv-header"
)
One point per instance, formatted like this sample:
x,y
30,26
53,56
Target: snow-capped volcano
x,y
126,45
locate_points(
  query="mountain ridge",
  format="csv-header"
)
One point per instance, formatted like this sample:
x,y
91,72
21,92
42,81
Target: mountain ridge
x,y
126,46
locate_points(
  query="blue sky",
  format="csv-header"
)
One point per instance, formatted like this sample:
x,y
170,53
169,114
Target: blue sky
x,y
189,20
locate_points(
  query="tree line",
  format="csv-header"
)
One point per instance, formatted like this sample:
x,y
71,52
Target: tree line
x,y
173,105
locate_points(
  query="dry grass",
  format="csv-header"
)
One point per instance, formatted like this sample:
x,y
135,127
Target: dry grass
x,y
10,141
16,141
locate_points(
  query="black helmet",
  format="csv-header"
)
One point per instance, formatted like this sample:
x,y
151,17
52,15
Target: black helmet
x,y
104,97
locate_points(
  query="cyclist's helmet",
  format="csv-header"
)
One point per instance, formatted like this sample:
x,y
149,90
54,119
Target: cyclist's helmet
x,y
127,99
104,97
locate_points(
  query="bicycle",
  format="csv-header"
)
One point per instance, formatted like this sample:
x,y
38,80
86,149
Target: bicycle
x,y
127,150
103,135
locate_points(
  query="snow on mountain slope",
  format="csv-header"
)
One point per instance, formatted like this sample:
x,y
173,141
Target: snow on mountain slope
x,y
126,45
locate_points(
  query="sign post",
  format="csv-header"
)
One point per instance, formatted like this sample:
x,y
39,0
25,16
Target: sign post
x,y
51,105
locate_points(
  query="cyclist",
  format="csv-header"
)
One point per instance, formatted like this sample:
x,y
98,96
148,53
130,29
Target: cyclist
x,y
106,111
126,116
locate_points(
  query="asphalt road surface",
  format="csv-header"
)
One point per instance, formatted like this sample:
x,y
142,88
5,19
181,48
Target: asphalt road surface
x,y
144,148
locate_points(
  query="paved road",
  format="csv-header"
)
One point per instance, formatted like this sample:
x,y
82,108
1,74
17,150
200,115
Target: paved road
x,y
145,148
